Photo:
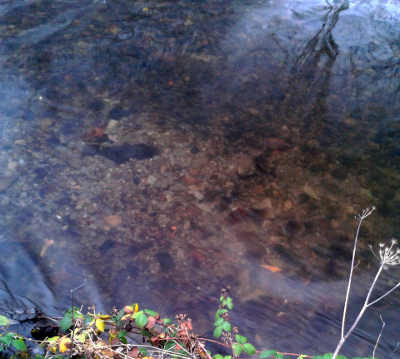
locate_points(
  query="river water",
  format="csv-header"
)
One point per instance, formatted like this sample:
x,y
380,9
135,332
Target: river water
x,y
157,151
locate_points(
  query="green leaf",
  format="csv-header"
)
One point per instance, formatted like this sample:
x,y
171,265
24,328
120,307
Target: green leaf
x,y
226,326
19,344
77,314
219,312
229,303
221,299
228,357
169,345
140,319
217,332
324,356
121,336
267,353
218,322
240,339
6,339
4,321
143,351
151,312
135,315
166,321
38,356
237,349
66,322
249,349
218,356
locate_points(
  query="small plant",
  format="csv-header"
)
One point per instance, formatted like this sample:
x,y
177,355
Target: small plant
x,y
10,341
230,336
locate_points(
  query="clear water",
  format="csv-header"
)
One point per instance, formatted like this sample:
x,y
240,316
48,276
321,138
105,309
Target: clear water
x,y
162,150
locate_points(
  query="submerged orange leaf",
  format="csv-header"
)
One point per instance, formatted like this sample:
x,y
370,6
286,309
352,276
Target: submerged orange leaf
x,y
272,269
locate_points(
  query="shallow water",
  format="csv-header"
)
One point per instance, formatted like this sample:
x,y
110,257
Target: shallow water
x,y
161,150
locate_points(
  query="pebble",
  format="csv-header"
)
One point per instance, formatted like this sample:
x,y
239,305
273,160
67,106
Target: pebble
x,y
334,224
287,205
264,204
350,122
12,165
6,181
46,123
274,143
197,194
113,220
245,166
112,124
310,191
125,35
151,180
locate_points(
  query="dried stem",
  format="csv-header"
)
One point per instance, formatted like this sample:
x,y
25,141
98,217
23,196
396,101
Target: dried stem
x,y
364,214
389,255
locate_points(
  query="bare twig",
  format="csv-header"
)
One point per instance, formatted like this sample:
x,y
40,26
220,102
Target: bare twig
x,y
379,337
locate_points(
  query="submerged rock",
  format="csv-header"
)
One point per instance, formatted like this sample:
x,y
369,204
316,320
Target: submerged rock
x,y
123,153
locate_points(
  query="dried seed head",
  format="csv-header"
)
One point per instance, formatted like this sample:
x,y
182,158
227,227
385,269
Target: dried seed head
x,y
389,254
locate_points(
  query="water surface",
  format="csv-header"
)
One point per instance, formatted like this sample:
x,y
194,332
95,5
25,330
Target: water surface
x,y
162,150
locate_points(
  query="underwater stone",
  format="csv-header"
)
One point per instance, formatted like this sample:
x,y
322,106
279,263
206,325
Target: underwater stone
x,y
123,153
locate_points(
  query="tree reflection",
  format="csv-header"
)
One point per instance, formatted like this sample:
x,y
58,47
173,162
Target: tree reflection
x,y
310,76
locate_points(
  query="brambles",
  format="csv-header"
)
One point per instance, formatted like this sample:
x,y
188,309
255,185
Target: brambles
x,y
230,336
115,336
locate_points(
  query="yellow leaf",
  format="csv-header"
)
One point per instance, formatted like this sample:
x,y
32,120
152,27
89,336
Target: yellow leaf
x,y
128,309
52,344
112,334
53,348
63,345
100,324
104,316
136,306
